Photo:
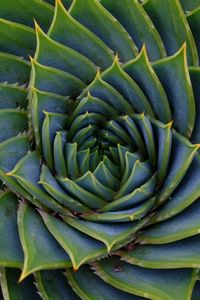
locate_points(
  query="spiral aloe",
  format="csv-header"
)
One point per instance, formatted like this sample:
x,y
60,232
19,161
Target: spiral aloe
x,y
99,149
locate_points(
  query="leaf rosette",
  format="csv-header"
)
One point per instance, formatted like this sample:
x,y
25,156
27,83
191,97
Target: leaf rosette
x,y
104,154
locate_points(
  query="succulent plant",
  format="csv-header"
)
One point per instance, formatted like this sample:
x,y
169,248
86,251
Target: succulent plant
x,y
99,149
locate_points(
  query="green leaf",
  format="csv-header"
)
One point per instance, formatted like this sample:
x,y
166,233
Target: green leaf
x,y
11,254
163,136
195,78
137,196
128,215
141,171
186,193
27,173
196,291
53,54
82,121
93,105
89,182
115,127
182,154
11,151
149,283
105,176
193,21
41,250
85,197
50,184
174,228
58,151
89,286
24,14
53,122
104,91
14,69
16,39
12,290
66,30
52,80
109,234
83,160
146,129
173,29
66,3
105,26
84,135
127,87
181,254
73,241
141,71
174,76
53,285
49,102
12,122
71,160
137,23
12,96
189,5
130,160
133,130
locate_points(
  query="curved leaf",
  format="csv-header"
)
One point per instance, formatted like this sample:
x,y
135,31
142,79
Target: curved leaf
x,y
149,283
41,250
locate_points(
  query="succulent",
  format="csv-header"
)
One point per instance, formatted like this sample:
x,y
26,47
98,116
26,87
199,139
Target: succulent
x,y
99,149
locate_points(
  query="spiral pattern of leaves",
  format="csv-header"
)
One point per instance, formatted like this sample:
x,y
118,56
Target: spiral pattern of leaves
x,y
99,149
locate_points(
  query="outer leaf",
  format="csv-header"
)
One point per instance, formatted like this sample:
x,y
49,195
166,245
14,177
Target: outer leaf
x,y
195,78
149,283
53,54
27,173
175,228
142,72
186,193
137,23
12,290
21,39
174,29
109,234
196,291
127,87
189,5
11,151
66,30
11,254
193,20
73,241
174,76
53,285
24,14
181,254
12,122
88,286
14,69
124,215
182,155
51,80
41,251
105,26
12,96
